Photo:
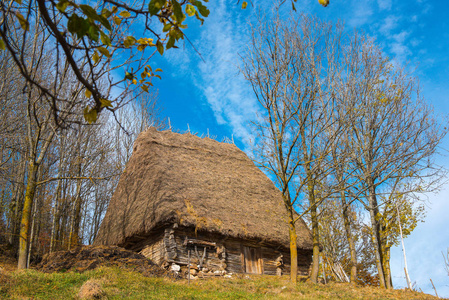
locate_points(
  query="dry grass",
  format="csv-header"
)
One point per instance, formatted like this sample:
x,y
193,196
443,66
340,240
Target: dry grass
x,y
122,283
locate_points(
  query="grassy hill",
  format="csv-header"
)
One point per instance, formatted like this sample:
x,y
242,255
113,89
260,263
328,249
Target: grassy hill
x,y
123,283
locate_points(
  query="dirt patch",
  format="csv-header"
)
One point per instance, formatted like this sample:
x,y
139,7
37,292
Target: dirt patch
x,y
85,258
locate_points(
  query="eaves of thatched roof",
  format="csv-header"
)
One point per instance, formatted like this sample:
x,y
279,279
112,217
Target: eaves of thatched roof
x,y
198,182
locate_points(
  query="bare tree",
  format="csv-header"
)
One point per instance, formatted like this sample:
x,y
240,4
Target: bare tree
x,y
291,67
392,133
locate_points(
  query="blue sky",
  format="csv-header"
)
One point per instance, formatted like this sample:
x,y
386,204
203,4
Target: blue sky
x,y
212,96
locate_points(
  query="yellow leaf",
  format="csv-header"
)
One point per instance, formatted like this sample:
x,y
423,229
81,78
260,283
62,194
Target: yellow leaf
x,y
88,93
23,22
144,88
134,81
105,103
117,20
125,14
2,45
96,57
90,114
141,47
104,51
324,2
158,70
129,41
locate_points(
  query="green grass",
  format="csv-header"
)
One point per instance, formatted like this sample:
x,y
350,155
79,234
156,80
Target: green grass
x,y
125,284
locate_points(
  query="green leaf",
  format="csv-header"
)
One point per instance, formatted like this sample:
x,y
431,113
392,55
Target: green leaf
x,y
177,10
166,27
199,18
23,22
2,45
106,13
160,47
155,6
201,8
170,43
104,51
62,5
105,23
78,25
244,4
90,114
125,14
129,76
190,10
93,32
92,14
105,39
105,103
178,34
89,11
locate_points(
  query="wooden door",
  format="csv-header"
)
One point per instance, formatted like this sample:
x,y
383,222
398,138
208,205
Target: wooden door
x,y
252,260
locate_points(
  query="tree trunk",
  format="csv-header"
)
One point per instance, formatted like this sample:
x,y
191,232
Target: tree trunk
x,y
32,234
16,207
55,213
26,214
373,210
315,237
293,249
349,237
387,271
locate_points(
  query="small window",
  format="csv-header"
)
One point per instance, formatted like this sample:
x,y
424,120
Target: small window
x,y
252,261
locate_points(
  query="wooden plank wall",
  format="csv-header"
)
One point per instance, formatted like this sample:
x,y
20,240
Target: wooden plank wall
x,y
169,247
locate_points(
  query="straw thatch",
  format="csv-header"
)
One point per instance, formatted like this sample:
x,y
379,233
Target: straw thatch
x,y
198,182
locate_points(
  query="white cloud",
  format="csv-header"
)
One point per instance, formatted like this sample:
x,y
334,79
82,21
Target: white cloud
x,y
400,37
384,4
415,42
360,14
227,93
390,23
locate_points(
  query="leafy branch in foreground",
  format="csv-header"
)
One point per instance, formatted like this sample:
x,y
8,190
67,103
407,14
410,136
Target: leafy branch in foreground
x,y
97,32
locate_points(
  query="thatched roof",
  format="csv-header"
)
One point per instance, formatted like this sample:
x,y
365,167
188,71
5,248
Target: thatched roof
x,y
199,182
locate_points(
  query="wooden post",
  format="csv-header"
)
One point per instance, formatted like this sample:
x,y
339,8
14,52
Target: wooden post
x,y
409,284
434,288
188,269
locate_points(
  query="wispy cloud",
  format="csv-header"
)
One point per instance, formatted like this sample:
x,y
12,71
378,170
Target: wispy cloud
x,y
390,23
224,89
384,4
360,13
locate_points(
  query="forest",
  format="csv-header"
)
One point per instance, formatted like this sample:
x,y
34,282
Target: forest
x,y
344,133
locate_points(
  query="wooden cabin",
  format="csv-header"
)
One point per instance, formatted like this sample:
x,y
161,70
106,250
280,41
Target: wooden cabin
x,y
190,201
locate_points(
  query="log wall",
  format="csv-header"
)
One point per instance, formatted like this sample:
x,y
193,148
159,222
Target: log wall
x,y
217,253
